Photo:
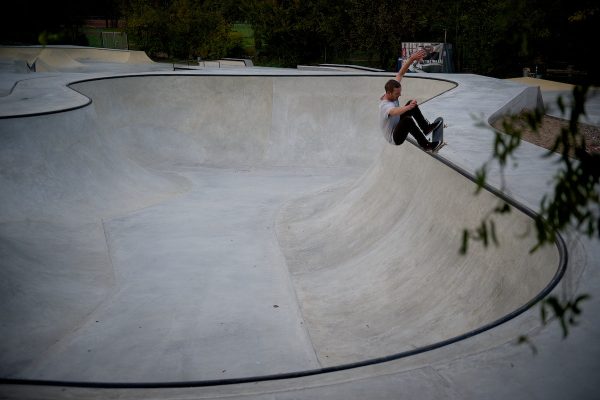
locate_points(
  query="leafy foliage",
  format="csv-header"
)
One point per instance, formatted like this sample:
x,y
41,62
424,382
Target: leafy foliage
x,y
574,204
147,26
576,200
178,28
490,37
566,312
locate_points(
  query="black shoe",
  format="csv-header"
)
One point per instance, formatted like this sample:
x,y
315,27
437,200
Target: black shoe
x,y
431,146
431,127
438,146
434,146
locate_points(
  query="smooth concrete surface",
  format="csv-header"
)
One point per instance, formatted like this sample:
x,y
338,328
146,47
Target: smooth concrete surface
x,y
61,58
214,225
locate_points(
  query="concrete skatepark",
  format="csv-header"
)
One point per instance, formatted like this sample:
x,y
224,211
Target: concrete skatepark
x,y
247,233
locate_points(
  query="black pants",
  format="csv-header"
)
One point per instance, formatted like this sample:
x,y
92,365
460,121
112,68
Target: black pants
x,y
408,125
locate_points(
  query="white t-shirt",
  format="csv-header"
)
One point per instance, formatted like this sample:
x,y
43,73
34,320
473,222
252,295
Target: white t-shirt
x,y
387,122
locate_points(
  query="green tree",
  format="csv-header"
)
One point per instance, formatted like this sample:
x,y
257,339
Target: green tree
x,y
499,38
196,29
178,28
147,25
285,31
332,22
380,26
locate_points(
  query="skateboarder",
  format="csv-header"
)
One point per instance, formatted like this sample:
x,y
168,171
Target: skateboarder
x,y
398,121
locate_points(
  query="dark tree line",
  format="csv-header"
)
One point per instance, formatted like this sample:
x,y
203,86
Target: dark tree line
x,y
490,37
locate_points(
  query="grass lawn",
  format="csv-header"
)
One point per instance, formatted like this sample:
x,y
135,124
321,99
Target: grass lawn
x,y
246,34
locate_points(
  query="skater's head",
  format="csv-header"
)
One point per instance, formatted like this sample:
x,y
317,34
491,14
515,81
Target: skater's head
x,y
393,89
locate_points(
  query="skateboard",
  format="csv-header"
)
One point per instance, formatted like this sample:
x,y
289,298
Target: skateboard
x,y
438,147
437,134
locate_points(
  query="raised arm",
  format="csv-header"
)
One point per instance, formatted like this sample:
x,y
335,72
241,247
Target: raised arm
x,y
413,57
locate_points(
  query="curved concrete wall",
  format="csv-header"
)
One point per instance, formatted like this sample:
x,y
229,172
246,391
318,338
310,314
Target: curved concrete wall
x,y
376,265
247,120
369,257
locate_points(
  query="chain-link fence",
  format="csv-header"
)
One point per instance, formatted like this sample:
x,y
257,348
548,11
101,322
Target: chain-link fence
x,y
115,40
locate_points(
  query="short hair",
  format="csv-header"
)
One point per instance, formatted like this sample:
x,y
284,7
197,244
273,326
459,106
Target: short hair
x,y
391,85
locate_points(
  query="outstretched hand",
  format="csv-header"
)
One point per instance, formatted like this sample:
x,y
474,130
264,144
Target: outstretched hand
x,y
413,57
418,55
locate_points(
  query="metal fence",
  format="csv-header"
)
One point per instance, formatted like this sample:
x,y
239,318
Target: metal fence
x,y
115,40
